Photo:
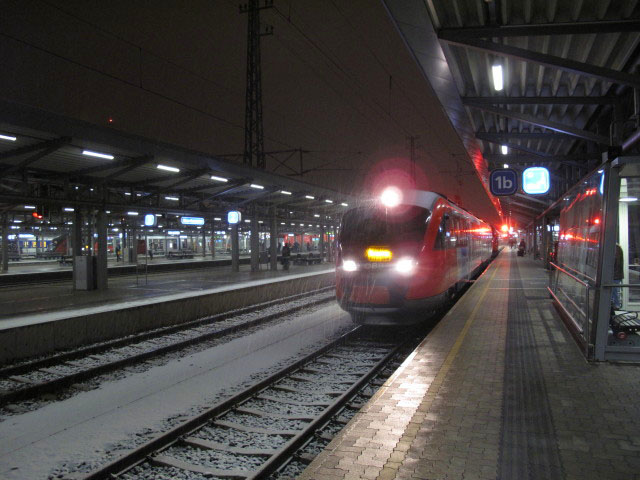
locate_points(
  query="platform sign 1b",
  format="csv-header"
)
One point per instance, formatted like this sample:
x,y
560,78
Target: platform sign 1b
x,y
503,182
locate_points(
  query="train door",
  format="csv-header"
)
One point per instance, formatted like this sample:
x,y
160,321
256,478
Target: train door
x,y
462,247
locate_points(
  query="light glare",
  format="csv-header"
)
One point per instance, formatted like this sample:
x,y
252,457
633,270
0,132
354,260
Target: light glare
x,y
391,197
496,70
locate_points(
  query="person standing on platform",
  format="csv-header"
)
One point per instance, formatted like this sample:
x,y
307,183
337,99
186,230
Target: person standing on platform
x,y
118,253
286,254
618,277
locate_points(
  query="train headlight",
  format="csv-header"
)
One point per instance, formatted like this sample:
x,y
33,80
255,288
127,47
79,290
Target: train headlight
x,y
349,266
406,266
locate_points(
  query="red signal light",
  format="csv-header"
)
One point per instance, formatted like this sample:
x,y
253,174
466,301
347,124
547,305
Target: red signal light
x,y
505,228
36,215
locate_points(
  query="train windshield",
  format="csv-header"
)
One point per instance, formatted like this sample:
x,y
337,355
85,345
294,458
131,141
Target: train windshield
x,y
381,226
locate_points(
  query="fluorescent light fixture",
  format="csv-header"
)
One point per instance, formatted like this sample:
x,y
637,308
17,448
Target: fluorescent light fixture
x,y
600,171
506,165
219,179
30,207
629,199
175,199
284,192
8,138
127,193
17,221
69,209
316,215
90,153
132,213
328,201
344,204
282,223
168,168
496,70
217,219
504,149
310,197
247,221
256,186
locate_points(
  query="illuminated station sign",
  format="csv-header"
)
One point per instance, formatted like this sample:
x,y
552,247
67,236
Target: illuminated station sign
x,y
234,217
192,220
535,180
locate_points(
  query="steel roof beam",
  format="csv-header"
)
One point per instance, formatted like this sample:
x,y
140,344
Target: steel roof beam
x,y
511,145
572,28
29,160
573,160
539,100
572,66
57,142
128,164
506,136
555,126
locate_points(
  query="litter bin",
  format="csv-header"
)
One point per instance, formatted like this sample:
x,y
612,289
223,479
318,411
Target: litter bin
x,y
84,269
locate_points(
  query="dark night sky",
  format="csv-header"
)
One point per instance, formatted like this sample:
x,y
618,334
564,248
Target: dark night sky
x,y
337,80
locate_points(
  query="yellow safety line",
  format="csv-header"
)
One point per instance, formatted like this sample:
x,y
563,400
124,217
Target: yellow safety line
x,y
392,465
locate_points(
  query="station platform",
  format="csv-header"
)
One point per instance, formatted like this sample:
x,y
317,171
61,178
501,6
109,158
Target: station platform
x,y
497,390
42,318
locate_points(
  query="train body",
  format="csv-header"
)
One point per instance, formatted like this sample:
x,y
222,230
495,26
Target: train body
x,y
397,263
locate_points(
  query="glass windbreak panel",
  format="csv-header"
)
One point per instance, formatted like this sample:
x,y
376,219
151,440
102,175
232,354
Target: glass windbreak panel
x,y
629,241
578,244
400,226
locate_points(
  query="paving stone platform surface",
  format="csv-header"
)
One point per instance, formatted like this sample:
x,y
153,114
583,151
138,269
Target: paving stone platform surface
x,y
497,390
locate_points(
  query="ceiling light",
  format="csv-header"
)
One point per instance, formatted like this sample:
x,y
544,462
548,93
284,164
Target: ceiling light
x,y
132,213
284,192
328,201
8,138
506,165
496,70
217,218
504,149
628,199
256,186
219,179
30,207
127,193
69,209
316,215
175,199
168,168
310,197
344,204
90,153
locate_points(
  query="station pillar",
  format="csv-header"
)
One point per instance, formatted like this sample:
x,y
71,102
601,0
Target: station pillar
x,y
133,246
101,264
77,233
235,249
204,242
273,242
321,245
255,243
5,243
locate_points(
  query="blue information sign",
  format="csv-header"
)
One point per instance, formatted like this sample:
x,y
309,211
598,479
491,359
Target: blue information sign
x,y
535,180
234,217
503,182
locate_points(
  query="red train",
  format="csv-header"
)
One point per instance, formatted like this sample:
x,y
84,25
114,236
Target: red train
x,y
405,255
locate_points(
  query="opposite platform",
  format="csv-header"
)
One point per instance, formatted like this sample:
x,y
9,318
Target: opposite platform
x,y
498,390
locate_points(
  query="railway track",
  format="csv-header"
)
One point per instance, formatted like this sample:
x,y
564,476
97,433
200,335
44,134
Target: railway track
x,y
274,428
52,374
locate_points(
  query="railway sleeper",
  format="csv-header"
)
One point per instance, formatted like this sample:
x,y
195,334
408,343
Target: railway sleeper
x,y
166,461
263,414
209,445
266,431
296,402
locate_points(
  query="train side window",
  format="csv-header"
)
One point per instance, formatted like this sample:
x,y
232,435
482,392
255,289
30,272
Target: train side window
x,y
441,235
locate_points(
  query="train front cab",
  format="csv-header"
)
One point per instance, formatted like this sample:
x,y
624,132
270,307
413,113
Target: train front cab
x,y
432,252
